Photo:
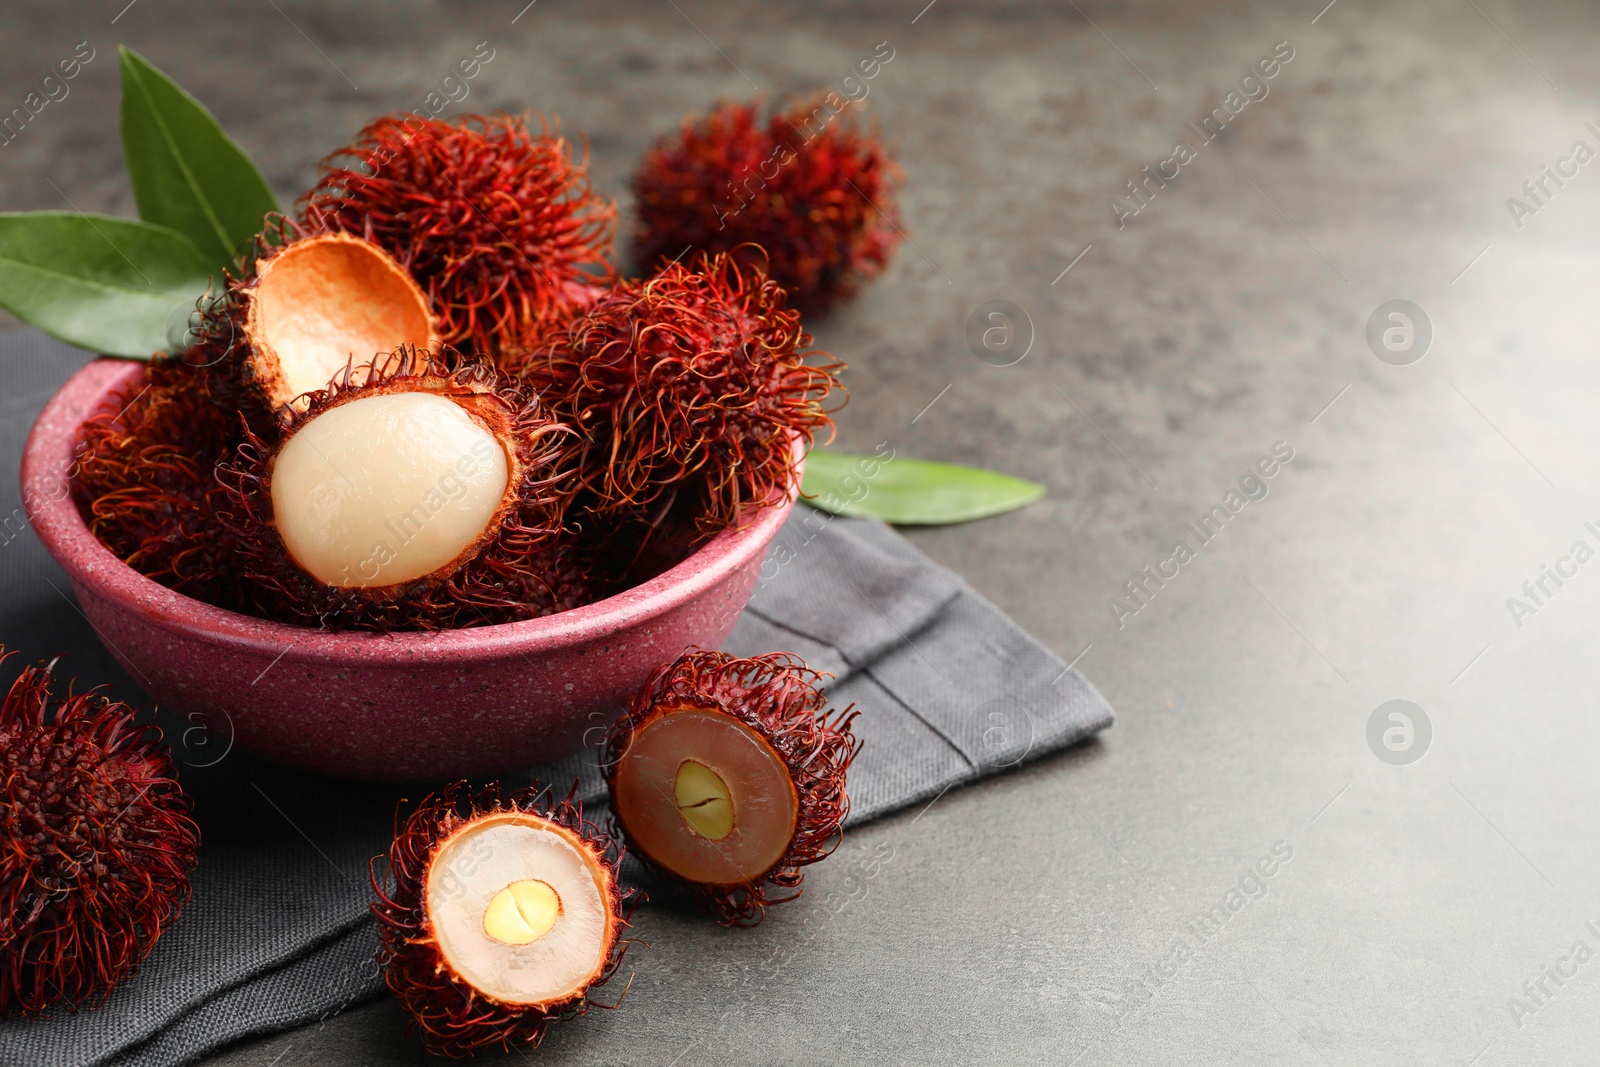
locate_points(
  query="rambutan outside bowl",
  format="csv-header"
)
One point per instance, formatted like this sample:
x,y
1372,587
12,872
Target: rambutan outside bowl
x,y
403,707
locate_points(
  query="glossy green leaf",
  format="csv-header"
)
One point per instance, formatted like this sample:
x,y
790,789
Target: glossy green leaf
x,y
910,492
106,284
187,174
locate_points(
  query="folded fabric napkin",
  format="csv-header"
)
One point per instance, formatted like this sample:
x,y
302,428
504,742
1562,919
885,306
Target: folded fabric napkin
x,y
277,933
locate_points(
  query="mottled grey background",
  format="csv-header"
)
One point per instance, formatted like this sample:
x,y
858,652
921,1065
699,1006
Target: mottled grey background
x,y
1050,916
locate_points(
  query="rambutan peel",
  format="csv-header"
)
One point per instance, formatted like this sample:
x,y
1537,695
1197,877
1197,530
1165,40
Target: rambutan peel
x,y
324,302
98,845
504,915
727,775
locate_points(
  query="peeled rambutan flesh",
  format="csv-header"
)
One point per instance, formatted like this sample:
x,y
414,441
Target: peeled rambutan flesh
x,y
813,190
501,916
728,775
309,305
496,221
409,496
694,383
96,845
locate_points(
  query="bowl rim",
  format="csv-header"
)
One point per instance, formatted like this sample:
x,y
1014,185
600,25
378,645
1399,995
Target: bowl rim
x,y
48,456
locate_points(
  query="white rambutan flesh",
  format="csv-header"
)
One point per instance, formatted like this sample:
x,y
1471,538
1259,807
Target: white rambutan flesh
x,y
519,909
387,488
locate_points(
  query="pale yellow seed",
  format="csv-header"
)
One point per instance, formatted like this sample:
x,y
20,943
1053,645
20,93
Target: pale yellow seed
x,y
703,800
522,912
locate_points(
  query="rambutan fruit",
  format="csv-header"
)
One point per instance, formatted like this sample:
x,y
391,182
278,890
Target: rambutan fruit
x,y
144,481
308,305
96,844
727,775
817,194
692,382
496,221
503,917
404,496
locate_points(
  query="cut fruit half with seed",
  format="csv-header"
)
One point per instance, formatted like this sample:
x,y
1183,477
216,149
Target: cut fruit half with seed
x,y
504,915
728,775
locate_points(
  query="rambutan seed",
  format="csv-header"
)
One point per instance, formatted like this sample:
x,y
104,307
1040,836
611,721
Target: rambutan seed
x,y
727,775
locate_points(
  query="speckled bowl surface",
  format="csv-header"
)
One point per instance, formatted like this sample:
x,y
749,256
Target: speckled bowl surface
x,y
395,707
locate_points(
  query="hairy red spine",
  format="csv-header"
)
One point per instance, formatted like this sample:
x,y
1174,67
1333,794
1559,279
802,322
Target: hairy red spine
x,y
817,194
98,844
144,481
695,378
495,221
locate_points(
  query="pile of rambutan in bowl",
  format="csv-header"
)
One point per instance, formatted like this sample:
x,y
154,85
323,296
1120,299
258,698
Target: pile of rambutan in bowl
x,y
426,488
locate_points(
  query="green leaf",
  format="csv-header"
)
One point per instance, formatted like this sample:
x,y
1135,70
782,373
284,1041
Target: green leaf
x,y
102,283
910,492
187,174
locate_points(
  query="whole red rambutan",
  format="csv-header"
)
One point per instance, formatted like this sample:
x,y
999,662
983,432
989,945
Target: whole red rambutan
x,y
692,380
811,189
96,844
417,497
144,481
503,916
728,775
497,222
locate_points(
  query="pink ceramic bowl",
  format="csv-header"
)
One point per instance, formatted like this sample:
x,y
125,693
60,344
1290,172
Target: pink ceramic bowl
x,y
396,707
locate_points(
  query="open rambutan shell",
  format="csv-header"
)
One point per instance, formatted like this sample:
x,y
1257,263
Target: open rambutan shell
x,y
308,305
405,496
323,302
98,844
727,775
501,917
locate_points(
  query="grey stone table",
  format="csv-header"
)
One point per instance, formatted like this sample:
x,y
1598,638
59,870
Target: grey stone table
x,y
1235,873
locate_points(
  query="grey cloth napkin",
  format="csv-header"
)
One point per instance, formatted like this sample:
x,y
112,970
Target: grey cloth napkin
x,y
277,934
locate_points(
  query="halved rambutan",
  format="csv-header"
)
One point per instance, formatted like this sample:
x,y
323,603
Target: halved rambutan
x,y
496,221
405,496
691,382
309,304
727,775
96,844
501,916
813,190
143,479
